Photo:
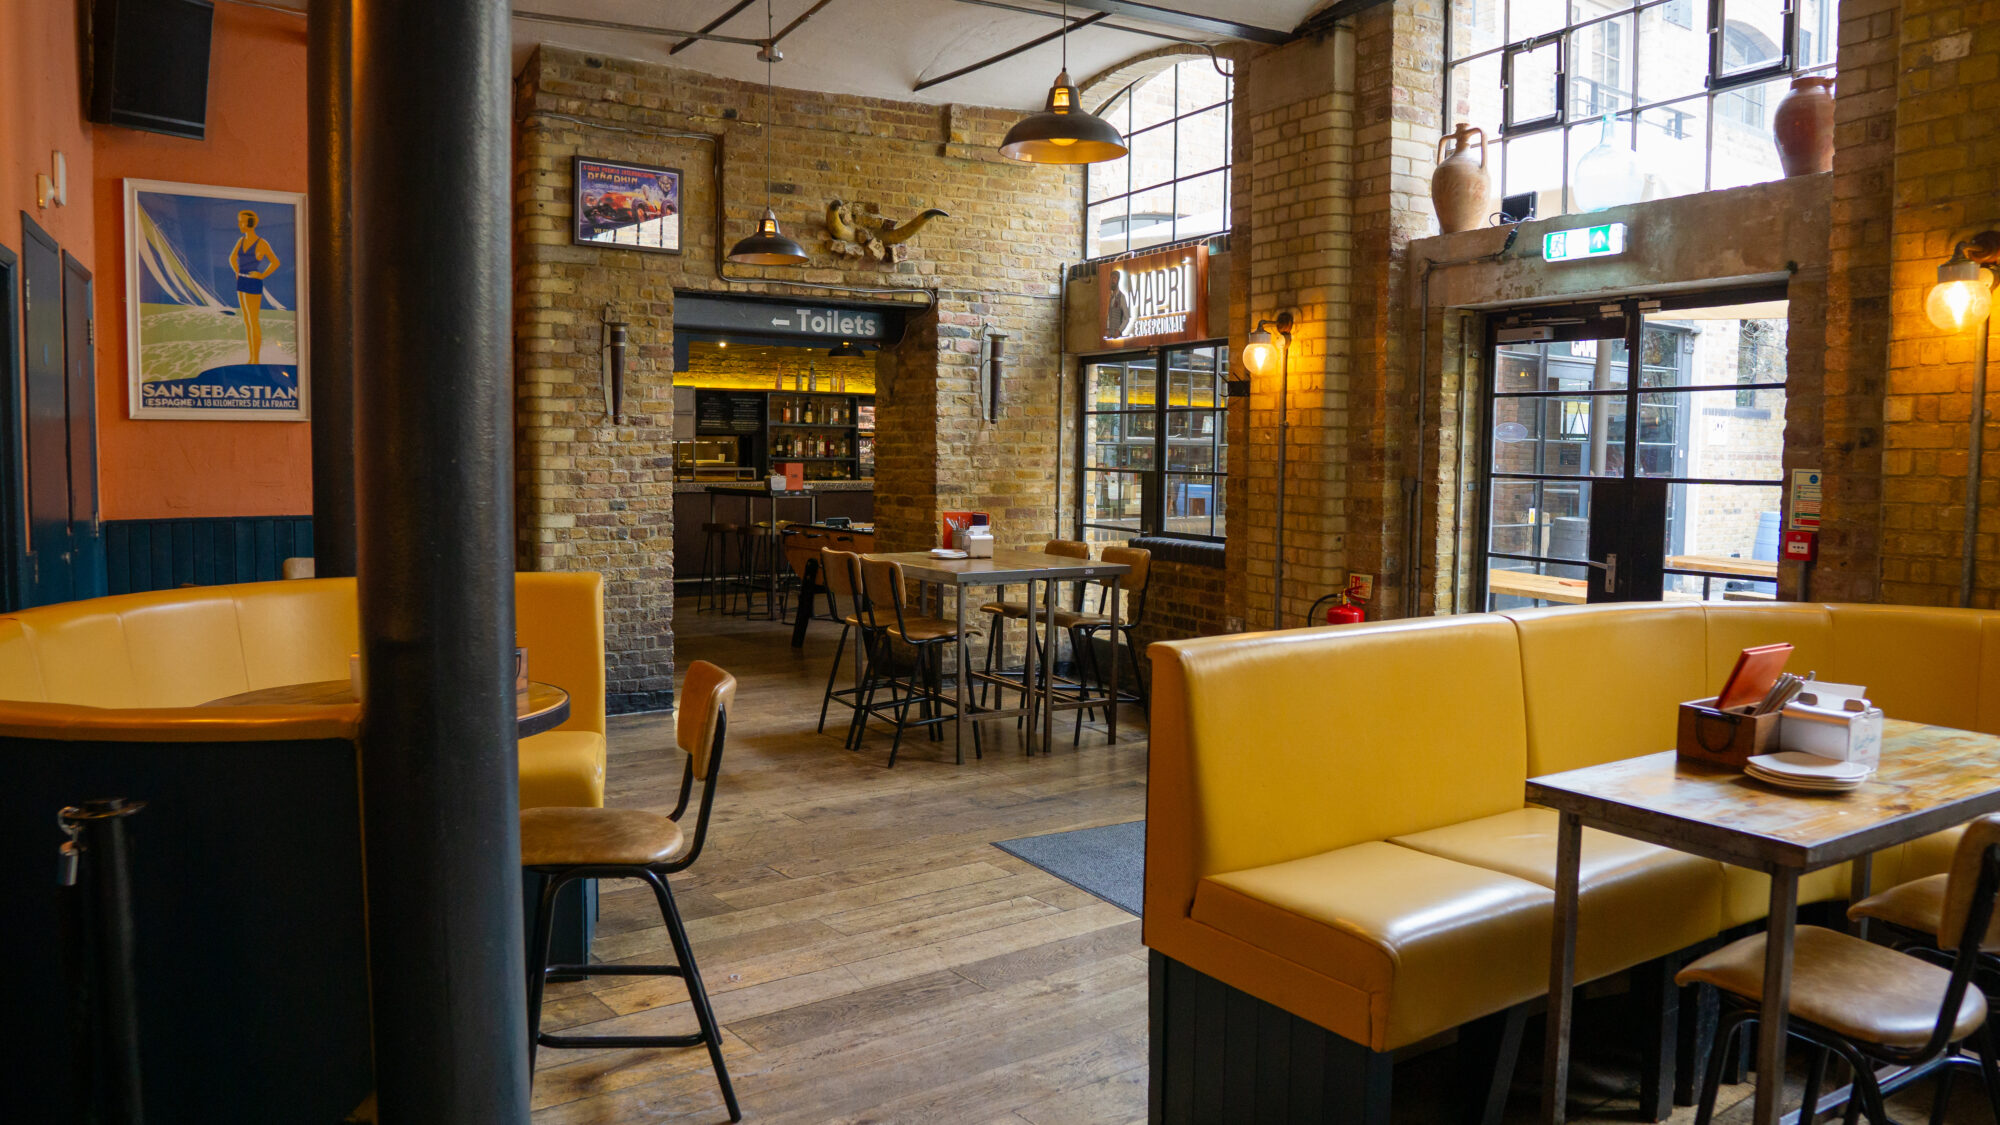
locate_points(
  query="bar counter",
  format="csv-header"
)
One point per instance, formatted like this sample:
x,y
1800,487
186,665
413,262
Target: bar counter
x,y
854,499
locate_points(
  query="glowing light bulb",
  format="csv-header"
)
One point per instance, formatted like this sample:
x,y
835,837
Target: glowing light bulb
x,y
1257,353
1956,303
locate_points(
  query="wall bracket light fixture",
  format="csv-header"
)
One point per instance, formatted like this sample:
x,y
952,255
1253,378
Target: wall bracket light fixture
x,y
1258,352
615,332
1963,298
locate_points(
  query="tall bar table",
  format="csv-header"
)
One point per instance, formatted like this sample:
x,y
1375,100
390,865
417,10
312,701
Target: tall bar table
x,y
1009,568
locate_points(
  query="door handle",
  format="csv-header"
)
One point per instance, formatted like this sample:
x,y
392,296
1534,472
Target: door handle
x,y
1610,568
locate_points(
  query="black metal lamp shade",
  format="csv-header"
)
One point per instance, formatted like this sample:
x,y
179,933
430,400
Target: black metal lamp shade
x,y
1062,133
769,246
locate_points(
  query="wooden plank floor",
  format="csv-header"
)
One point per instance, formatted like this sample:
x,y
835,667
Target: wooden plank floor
x,y
873,958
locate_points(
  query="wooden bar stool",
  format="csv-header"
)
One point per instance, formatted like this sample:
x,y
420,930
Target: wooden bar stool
x,y
563,845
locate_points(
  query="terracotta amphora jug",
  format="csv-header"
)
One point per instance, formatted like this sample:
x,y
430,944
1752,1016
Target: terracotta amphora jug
x,y
1461,190
1803,127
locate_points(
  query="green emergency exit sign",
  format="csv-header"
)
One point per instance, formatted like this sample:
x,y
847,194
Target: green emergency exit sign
x,y
1601,241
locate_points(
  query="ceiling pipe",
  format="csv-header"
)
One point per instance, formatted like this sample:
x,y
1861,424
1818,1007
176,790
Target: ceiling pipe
x,y
1124,27
1010,52
711,26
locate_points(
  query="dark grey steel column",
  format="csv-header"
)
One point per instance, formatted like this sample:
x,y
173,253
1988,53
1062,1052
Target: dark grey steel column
x,y
330,199
433,450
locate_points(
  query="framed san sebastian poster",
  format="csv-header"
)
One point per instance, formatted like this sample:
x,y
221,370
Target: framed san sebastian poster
x,y
215,303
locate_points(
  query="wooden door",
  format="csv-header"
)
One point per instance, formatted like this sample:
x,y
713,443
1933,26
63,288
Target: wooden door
x,y
47,417
80,395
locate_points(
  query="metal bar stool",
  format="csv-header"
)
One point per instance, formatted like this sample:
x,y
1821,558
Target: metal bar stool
x,y
566,844
715,578
886,610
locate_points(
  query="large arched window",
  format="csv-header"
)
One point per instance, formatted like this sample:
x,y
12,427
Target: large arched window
x,y
1175,183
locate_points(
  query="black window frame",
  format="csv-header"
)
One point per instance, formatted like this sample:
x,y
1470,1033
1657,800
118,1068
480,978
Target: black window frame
x,y
1153,481
1121,103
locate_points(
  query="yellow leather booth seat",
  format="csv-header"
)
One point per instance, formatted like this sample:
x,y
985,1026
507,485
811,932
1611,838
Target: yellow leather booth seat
x,y
1336,820
143,664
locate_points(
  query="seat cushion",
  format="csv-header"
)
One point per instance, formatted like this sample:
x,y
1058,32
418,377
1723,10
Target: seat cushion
x,y
585,837
1917,905
1431,942
918,630
562,767
1006,609
1637,901
1855,988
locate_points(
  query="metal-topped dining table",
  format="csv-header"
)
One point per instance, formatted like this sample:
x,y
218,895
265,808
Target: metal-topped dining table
x,y
1930,779
1008,567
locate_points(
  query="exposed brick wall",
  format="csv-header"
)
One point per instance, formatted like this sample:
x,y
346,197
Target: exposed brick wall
x,y
1296,191
596,497
1942,63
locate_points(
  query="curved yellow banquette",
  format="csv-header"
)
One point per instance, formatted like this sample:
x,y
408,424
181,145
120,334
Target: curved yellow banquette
x,y
1336,820
137,667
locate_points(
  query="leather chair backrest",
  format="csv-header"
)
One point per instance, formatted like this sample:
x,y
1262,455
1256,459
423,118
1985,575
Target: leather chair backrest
x,y
1067,548
1963,884
559,619
1276,746
838,569
882,582
1605,682
184,647
706,696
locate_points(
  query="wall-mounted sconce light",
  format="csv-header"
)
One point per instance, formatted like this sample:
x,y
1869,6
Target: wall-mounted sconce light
x,y
52,187
996,354
1258,352
1962,295
614,365
1963,298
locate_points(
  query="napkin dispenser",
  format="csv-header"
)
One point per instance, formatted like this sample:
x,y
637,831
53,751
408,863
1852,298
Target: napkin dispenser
x,y
1724,737
978,543
1834,721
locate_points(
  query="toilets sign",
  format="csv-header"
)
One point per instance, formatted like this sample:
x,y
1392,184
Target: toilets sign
x,y
1156,298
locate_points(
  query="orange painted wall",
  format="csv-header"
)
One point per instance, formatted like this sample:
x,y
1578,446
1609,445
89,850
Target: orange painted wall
x,y
41,111
256,139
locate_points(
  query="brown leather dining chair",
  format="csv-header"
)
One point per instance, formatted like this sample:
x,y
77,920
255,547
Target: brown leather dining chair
x,y
1867,1003
915,683
840,573
1084,625
566,844
1003,609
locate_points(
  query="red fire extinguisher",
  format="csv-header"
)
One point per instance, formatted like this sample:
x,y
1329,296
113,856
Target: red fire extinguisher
x,y
1341,612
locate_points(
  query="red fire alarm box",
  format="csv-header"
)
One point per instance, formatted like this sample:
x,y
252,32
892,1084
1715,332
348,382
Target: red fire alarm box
x,y
1800,546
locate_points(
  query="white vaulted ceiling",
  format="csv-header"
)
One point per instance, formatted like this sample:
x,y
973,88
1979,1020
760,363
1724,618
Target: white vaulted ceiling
x,y
883,48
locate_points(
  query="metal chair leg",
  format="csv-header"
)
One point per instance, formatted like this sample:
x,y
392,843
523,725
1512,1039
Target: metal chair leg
x,y
1725,1038
697,995
833,674
1989,1067
538,962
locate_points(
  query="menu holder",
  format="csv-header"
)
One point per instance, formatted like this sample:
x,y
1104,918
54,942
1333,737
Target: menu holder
x,y
1724,736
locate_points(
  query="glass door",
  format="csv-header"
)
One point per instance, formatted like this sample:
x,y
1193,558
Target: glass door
x,y
1635,451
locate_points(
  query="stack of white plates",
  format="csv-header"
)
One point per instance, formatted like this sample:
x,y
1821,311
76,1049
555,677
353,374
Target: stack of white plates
x,y
1808,773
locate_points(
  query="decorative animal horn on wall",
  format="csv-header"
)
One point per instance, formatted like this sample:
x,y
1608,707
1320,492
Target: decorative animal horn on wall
x,y
840,221
893,235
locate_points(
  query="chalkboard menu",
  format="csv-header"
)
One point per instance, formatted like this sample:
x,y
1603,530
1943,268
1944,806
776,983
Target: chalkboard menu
x,y
729,412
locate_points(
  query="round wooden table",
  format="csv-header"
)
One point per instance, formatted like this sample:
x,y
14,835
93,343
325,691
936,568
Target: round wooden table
x,y
546,708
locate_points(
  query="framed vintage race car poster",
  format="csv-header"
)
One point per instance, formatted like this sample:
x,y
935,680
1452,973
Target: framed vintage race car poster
x,y
627,205
215,295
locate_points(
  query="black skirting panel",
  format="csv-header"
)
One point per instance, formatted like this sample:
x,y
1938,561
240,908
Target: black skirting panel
x,y
1221,1056
163,554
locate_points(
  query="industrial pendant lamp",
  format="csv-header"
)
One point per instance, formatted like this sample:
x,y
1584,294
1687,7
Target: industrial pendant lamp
x,y
1961,296
769,246
1063,133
